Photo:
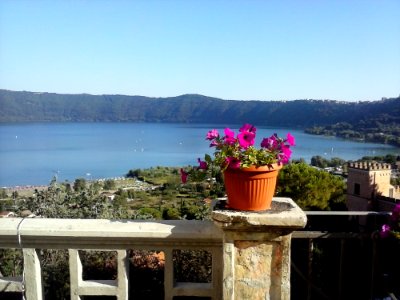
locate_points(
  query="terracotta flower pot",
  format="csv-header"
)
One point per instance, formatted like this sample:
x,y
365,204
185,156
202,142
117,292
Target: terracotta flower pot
x,y
251,188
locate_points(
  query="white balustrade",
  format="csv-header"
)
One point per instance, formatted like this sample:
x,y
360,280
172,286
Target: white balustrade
x,y
34,234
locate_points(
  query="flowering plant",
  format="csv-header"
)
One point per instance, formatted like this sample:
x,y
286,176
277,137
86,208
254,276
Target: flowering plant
x,y
237,151
392,229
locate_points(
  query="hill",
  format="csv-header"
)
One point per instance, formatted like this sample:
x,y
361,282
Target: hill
x,y
319,116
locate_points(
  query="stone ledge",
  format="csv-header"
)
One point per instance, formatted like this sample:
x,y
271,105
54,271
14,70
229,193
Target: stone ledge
x,y
284,213
106,234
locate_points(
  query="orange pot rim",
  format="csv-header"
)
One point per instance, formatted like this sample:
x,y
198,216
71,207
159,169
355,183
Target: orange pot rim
x,y
266,168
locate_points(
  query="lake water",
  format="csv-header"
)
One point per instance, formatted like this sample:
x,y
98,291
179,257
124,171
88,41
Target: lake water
x,y
32,153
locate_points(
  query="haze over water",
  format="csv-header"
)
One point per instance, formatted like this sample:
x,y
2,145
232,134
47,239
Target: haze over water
x,y
32,153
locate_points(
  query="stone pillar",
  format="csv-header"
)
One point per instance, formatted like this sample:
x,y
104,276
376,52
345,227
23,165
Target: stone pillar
x,y
256,250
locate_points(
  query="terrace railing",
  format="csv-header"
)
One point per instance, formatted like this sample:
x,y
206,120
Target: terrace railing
x,y
33,234
340,255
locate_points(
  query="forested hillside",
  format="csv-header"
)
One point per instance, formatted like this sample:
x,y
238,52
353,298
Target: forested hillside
x,y
377,121
43,107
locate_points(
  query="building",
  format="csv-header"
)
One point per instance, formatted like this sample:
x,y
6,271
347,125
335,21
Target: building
x,y
369,188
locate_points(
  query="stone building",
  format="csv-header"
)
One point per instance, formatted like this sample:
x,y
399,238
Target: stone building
x,y
369,188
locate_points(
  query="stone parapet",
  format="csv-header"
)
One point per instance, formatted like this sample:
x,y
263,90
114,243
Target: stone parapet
x,y
256,250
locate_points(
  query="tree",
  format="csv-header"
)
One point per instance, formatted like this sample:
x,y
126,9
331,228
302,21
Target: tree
x,y
109,184
171,213
388,158
337,162
3,193
319,161
310,188
133,173
79,184
151,212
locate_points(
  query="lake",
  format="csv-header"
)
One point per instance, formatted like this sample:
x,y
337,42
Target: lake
x,y
32,153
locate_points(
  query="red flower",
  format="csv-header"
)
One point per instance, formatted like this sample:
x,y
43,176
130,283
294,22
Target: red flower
x,y
233,162
202,164
184,176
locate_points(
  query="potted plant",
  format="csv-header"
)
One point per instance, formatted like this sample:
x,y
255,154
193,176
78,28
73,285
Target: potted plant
x,y
249,173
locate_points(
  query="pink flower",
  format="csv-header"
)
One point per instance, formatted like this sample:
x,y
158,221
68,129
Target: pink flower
x,y
248,128
246,139
184,176
202,164
269,143
290,139
214,143
233,162
229,136
212,134
395,213
385,231
286,154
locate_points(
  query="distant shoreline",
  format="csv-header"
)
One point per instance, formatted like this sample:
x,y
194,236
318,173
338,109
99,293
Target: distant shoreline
x,y
24,187
43,186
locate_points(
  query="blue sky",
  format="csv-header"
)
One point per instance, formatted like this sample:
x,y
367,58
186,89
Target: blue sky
x,y
246,50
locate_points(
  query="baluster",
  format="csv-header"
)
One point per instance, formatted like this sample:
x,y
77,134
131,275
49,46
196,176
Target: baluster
x,y
123,275
32,270
75,273
168,274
